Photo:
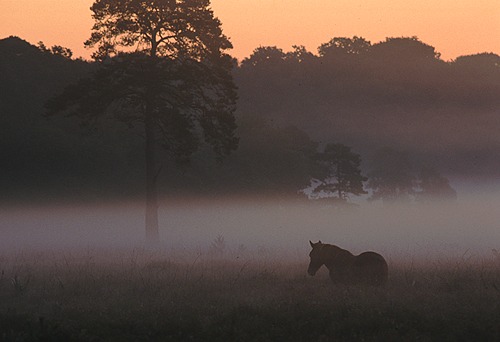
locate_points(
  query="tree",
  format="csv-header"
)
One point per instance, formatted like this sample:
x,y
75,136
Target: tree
x,y
344,173
56,50
341,46
264,55
163,66
488,61
404,49
434,186
271,157
391,177
299,54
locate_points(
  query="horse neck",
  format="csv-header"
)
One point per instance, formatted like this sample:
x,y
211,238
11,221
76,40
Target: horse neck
x,y
336,255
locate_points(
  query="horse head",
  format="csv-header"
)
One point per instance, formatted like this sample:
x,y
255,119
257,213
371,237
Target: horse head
x,y
317,259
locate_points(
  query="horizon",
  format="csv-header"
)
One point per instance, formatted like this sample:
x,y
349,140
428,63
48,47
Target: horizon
x,y
453,28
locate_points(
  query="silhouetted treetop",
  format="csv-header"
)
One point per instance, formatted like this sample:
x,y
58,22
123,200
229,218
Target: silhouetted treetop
x,y
391,177
433,186
57,50
268,56
404,49
344,46
264,55
174,29
14,45
343,169
484,63
299,54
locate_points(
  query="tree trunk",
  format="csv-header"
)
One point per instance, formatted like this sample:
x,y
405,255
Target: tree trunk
x,y
152,231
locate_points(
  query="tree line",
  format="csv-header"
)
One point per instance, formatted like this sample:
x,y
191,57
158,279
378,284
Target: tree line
x,y
397,92
299,114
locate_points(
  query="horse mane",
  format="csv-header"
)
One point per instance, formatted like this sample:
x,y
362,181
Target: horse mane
x,y
335,248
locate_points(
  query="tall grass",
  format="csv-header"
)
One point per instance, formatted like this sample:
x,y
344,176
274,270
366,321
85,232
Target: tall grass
x,y
159,295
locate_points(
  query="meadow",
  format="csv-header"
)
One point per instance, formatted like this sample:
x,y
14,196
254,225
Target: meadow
x,y
240,294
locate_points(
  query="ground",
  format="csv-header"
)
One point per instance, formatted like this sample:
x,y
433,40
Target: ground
x,y
161,295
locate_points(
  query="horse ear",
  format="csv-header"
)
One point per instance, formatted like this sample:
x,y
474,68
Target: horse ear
x,y
320,242
312,244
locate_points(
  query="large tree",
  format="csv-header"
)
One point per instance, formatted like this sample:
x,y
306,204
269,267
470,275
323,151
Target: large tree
x,y
163,66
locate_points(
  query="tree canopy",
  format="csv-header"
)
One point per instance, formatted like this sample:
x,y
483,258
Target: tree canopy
x,y
391,177
343,168
339,46
176,29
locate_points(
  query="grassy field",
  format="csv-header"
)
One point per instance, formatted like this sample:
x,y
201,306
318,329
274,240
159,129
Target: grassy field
x,y
145,295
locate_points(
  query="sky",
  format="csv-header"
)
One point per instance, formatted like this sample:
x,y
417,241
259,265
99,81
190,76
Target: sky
x,y
453,27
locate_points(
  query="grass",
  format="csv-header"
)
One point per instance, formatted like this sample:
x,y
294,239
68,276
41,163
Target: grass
x,y
141,295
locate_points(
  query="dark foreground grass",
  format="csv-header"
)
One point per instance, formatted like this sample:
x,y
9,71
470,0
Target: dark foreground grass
x,y
146,296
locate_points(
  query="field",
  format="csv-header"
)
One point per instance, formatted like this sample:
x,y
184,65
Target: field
x,y
238,295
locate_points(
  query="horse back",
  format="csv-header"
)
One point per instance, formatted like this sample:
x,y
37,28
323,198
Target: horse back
x,y
372,267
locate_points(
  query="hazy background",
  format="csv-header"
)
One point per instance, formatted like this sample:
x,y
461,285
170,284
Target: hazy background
x,y
252,229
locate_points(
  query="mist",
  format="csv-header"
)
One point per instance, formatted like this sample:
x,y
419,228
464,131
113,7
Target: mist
x,y
402,232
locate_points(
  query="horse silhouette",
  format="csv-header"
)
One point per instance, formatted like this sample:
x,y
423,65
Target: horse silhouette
x,y
368,268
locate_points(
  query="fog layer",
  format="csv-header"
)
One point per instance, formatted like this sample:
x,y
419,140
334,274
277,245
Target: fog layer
x,y
466,228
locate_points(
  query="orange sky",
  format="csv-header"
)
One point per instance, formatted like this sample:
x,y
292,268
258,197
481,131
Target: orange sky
x,y
453,27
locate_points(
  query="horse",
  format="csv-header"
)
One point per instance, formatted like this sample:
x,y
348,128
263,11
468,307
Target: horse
x,y
368,268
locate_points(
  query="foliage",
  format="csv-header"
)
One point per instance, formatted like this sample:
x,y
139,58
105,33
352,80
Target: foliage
x,y
391,177
344,46
264,55
404,49
182,96
56,50
344,172
189,85
478,61
273,158
433,186
174,29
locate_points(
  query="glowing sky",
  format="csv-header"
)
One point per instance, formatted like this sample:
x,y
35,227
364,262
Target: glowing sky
x,y
453,27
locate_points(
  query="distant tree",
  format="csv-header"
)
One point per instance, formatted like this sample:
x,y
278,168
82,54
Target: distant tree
x,y
299,54
343,172
42,47
264,55
476,80
344,46
56,50
274,158
485,66
433,186
404,49
391,178
481,60
176,82
61,51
